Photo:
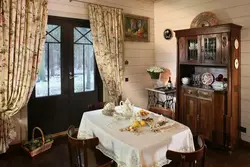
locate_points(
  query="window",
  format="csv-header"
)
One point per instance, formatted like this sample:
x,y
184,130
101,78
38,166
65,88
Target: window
x,y
49,78
84,69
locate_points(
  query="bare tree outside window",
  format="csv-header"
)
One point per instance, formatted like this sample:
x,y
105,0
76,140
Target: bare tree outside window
x,y
84,69
49,77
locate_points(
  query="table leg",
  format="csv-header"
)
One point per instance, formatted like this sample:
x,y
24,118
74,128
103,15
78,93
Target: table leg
x,y
169,103
151,100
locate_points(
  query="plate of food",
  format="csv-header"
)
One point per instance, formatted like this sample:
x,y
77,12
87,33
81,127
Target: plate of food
x,y
135,126
143,113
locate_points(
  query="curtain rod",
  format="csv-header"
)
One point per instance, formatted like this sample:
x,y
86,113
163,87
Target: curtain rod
x,y
93,3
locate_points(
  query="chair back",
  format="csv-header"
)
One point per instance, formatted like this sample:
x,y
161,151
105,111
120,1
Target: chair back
x,y
96,106
78,149
189,159
162,111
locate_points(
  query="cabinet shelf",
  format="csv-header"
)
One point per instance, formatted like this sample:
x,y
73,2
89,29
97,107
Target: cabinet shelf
x,y
205,65
203,88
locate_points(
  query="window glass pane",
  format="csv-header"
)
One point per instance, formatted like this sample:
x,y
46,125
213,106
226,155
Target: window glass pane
x,y
84,70
42,80
89,68
49,77
51,27
89,36
78,68
54,34
82,35
54,69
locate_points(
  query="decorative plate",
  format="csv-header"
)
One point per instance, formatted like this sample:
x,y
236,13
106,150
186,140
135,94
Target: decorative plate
x,y
167,34
204,19
207,78
236,44
236,63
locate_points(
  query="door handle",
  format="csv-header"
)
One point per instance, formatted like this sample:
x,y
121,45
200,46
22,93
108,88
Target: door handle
x,y
71,75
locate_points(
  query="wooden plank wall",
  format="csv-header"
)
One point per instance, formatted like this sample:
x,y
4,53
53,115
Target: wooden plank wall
x,y
179,14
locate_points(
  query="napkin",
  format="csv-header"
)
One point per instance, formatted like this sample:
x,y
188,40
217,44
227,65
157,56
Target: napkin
x,y
161,123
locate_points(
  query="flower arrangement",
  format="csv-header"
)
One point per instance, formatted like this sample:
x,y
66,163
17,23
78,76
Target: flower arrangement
x,y
155,71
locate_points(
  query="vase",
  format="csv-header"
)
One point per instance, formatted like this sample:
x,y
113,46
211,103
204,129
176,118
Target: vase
x,y
154,75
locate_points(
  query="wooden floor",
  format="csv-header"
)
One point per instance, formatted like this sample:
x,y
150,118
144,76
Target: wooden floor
x,y
58,157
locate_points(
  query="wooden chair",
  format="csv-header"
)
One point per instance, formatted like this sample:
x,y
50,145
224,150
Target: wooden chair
x,y
162,111
81,151
96,106
189,159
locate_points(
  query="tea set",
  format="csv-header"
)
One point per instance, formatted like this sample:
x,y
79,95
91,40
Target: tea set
x,y
125,110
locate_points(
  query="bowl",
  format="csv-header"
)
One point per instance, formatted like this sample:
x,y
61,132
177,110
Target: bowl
x,y
185,81
218,85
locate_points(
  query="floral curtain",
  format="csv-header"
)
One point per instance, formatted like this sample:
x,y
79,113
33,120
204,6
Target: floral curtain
x,y
22,34
107,31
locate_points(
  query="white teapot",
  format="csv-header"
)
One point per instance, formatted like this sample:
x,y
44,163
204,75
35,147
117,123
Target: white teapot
x,y
127,108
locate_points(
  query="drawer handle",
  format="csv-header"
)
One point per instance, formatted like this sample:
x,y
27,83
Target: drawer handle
x,y
204,93
189,92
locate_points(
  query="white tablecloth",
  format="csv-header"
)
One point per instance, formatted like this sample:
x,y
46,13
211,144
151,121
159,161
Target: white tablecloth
x,y
128,149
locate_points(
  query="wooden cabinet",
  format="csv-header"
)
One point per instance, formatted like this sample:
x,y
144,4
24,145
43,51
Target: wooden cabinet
x,y
205,118
190,112
214,114
198,112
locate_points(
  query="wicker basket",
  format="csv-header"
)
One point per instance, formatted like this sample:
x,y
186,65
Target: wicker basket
x,y
45,146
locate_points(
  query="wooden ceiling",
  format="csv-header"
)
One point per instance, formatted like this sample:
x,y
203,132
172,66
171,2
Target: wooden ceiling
x,y
151,0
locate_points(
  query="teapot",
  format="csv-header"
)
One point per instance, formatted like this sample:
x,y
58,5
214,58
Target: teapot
x,y
127,108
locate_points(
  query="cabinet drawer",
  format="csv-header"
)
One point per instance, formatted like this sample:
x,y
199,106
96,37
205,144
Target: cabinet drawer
x,y
190,92
205,94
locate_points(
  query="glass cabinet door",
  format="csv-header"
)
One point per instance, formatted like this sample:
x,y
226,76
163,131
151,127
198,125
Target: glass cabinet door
x,y
211,50
192,53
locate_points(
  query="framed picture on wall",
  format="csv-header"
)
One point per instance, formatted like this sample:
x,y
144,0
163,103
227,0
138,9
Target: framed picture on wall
x,y
136,28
